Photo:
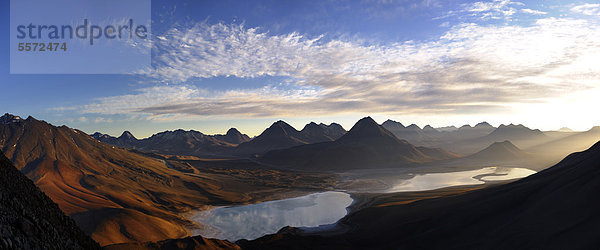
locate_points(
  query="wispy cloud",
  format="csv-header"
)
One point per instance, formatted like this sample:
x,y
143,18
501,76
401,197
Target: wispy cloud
x,y
471,67
534,12
489,10
587,9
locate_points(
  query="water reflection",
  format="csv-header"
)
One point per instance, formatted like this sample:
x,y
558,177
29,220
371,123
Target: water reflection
x,y
253,221
441,180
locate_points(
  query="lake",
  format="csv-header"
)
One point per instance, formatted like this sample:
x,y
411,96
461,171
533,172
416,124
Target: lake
x,y
256,220
423,182
318,209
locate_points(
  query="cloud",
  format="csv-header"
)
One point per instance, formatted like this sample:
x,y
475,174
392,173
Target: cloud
x,y
497,9
471,67
490,10
587,9
534,12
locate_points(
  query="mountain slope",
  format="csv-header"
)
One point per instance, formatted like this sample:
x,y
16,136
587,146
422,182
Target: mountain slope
x,y
314,133
278,135
181,142
366,145
126,140
569,144
30,220
281,135
410,133
516,133
86,178
556,208
499,151
233,136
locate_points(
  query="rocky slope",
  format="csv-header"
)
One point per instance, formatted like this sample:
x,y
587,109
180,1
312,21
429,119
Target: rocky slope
x,y
115,195
30,220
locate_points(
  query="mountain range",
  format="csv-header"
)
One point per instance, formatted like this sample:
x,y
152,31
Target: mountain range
x,y
366,145
281,135
178,142
431,136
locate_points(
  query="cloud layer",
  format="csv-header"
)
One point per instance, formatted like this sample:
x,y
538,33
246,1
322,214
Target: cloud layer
x,y
471,68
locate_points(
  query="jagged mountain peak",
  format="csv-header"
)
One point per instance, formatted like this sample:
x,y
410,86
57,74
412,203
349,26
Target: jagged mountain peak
x,y
565,129
500,150
313,125
429,128
233,131
9,118
504,144
413,127
127,135
483,124
279,127
367,127
392,124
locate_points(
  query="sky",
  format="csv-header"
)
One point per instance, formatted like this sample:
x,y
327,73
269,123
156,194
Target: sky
x,y
246,64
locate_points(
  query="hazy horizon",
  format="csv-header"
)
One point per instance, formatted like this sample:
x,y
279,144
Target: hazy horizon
x,y
298,124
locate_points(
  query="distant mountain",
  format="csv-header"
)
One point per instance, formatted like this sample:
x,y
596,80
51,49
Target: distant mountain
x,y
126,140
179,142
447,129
573,143
467,132
500,151
510,216
366,145
182,142
517,134
392,125
565,129
432,136
106,189
429,129
278,135
30,220
281,135
514,132
233,136
8,118
313,133
468,140
411,133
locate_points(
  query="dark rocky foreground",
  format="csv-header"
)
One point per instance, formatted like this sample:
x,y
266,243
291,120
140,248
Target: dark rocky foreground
x,y
30,220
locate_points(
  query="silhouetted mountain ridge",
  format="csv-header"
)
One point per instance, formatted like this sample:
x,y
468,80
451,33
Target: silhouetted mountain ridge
x,y
366,145
281,135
